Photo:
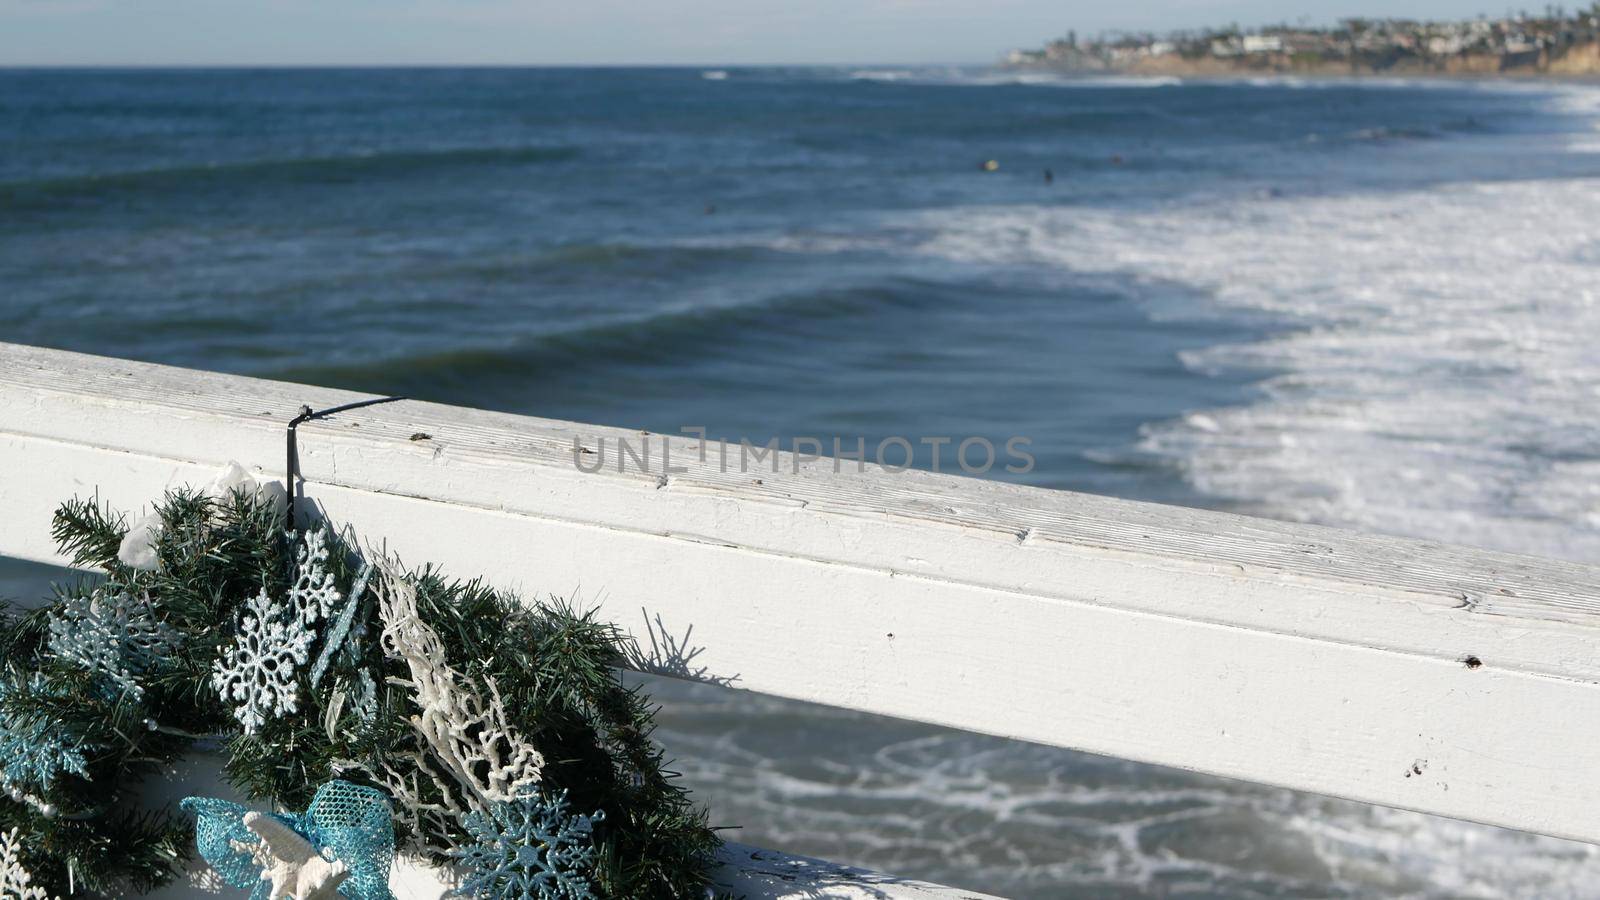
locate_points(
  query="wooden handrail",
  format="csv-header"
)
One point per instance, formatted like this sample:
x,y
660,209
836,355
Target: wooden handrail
x,y
1399,672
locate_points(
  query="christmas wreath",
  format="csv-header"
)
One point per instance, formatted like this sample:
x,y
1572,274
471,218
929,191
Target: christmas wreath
x,y
400,710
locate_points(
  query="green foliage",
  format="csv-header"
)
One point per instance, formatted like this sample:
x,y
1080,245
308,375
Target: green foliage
x,y
556,669
89,533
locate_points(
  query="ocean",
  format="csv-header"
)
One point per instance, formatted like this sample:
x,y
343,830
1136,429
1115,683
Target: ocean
x,y
1368,304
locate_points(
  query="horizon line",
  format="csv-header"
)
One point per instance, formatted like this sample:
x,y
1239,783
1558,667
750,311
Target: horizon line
x,y
11,66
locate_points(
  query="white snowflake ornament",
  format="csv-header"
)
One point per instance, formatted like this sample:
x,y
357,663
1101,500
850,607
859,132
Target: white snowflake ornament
x,y
313,595
15,882
258,671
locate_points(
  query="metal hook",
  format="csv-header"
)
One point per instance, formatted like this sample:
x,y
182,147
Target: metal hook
x,y
306,415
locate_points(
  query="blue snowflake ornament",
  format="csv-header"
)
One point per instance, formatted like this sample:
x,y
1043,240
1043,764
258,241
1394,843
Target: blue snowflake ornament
x,y
114,635
532,848
32,752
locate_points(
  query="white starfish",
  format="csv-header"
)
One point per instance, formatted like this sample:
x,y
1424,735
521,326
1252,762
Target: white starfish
x,y
296,869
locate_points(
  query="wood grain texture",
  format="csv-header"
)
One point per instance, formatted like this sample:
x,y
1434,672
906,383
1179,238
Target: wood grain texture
x,y
1281,653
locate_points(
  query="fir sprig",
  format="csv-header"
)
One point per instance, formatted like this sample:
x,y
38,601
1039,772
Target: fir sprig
x,y
89,533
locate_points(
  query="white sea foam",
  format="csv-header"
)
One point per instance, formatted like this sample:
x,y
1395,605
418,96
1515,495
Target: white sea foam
x,y
1428,368
1431,370
1426,365
1123,81
998,77
1025,821
1573,99
1052,79
883,74
1581,102
1281,81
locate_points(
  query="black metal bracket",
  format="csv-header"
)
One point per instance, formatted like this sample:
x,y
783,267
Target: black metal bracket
x,y
293,466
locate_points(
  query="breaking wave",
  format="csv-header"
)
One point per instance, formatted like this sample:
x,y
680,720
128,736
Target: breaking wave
x,y
1002,78
1429,369
1022,820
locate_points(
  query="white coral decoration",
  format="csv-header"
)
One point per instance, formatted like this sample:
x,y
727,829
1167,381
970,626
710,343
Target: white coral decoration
x,y
422,798
258,671
15,882
466,731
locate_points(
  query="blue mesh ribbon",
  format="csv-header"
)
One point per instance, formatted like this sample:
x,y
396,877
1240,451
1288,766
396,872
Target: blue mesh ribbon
x,y
345,821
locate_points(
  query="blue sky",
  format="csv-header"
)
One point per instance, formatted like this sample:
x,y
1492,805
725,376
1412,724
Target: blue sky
x,y
575,32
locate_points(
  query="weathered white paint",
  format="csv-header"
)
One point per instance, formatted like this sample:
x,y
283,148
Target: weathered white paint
x,y
1286,654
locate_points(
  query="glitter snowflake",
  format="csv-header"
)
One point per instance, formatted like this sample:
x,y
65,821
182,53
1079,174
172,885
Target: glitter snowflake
x,y
531,848
258,671
32,752
114,635
15,882
313,595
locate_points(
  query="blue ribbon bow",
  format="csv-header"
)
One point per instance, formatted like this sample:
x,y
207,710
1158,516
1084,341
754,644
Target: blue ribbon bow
x,y
347,822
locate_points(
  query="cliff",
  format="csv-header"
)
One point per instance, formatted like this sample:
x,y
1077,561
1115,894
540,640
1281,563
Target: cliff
x,y
1578,61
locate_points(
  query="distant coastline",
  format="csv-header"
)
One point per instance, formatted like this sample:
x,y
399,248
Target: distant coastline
x,y
1557,45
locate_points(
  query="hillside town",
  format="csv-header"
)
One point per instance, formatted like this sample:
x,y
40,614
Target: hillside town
x,y
1555,42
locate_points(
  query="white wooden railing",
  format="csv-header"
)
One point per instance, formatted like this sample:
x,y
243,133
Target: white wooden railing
x,y
1398,672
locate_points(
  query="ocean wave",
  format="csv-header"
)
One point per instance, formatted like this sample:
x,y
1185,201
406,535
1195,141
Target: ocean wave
x,y
1009,78
883,75
1428,369
569,263
340,168
1384,134
660,336
1281,81
1123,81
1028,821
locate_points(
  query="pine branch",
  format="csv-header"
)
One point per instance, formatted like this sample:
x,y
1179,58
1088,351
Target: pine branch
x,y
89,533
